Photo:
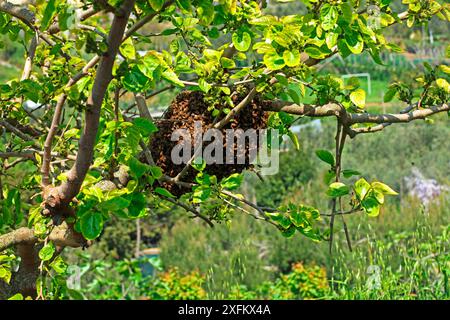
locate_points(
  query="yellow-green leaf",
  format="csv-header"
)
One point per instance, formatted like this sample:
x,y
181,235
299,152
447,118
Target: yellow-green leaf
x,y
385,189
443,84
291,57
274,61
358,97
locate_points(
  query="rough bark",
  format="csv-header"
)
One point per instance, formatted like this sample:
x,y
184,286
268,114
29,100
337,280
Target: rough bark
x,y
70,188
27,247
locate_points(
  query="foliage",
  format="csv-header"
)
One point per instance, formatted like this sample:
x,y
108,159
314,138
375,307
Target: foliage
x,y
303,282
171,285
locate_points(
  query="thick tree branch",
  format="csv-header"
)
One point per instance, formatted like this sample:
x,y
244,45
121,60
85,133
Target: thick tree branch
x,y
24,280
327,110
70,188
399,117
62,235
23,14
334,109
62,99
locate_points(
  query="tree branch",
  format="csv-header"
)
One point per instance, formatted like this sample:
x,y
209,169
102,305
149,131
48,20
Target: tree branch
x,y
146,20
398,117
30,57
46,159
23,14
70,188
334,109
19,133
327,110
188,208
61,235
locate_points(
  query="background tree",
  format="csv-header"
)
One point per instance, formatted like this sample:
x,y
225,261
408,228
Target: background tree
x,y
98,152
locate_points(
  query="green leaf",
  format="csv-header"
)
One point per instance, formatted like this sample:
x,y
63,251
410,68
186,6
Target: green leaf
x,y
17,296
375,54
389,95
66,17
127,49
156,172
156,4
291,57
371,206
343,48
201,193
204,85
347,12
171,76
355,47
71,133
285,222
75,295
91,224
137,205
394,48
349,172
137,168
114,204
328,16
274,216
49,12
184,5
164,192
240,74
294,139
289,232
199,164
174,46
326,156
241,40
145,126
314,52
383,188
46,253
358,97
59,265
150,63
227,63
295,96
134,80
410,21
444,68
443,84
337,189
361,188
378,195
232,182
5,274
205,11
297,219
331,39
274,61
